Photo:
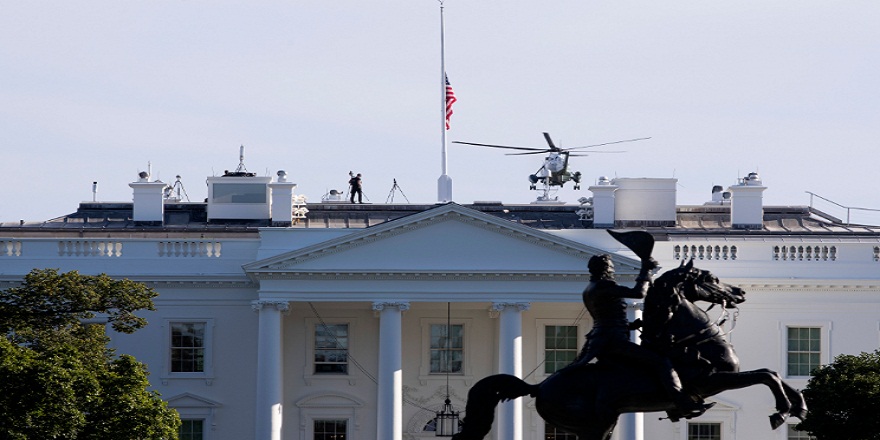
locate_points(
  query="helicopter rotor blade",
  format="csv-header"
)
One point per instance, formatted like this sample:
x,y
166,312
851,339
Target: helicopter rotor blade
x,y
532,152
549,141
608,143
539,150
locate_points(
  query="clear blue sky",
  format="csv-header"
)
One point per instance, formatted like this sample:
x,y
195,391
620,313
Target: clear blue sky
x,y
93,91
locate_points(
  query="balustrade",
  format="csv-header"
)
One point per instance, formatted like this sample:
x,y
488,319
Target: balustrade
x,y
805,253
209,249
704,252
89,248
10,248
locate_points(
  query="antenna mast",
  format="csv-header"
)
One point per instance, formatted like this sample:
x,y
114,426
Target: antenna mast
x,y
176,192
241,168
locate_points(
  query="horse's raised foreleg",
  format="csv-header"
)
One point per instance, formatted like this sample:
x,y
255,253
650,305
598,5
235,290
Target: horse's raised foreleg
x,y
719,382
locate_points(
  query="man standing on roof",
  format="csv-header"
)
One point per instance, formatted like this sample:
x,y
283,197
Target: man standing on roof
x,y
609,340
355,183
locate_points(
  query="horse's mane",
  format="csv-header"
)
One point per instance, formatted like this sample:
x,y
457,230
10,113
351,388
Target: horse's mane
x,y
662,300
674,276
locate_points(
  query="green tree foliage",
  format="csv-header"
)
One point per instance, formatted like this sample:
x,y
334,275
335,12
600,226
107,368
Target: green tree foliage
x,y
58,379
844,399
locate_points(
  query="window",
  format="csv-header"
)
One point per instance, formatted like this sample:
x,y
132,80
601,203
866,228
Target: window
x,y
559,341
560,346
553,433
794,434
330,429
704,431
191,429
239,193
447,348
331,349
188,347
324,415
196,415
804,350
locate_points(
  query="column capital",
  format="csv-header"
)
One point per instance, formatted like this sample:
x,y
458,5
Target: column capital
x,y
500,306
378,306
281,306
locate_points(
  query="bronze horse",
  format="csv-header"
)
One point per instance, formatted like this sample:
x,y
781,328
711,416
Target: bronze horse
x,y
587,399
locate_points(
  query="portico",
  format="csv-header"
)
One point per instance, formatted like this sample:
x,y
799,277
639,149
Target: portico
x,y
377,283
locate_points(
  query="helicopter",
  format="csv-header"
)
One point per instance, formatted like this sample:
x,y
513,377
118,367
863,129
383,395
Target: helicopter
x,y
554,171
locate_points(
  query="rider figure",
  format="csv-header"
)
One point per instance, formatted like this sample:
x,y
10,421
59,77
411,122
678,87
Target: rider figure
x,y
609,338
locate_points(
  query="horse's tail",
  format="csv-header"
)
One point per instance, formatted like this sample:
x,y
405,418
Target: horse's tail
x,y
483,397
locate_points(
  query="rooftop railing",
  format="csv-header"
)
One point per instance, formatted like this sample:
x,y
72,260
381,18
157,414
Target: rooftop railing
x,y
862,216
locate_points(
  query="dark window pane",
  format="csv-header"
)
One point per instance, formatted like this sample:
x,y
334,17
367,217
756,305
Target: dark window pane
x,y
330,429
331,349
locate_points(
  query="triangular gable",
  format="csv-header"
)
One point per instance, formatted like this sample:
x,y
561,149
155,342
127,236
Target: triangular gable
x,y
448,238
329,400
189,400
723,404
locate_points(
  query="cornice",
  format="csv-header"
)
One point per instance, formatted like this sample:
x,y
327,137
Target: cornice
x,y
165,284
208,284
812,287
420,276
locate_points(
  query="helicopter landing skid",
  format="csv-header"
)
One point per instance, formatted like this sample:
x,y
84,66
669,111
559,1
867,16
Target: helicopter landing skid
x,y
546,199
553,201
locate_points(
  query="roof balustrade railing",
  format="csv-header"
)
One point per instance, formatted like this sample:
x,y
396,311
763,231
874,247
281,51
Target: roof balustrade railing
x,y
849,209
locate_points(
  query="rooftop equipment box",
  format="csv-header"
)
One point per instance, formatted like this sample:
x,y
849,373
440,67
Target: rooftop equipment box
x,y
239,198
644,201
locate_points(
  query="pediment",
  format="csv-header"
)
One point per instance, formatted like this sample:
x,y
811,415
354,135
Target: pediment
x,y
723,404
448,238
329,400
189,400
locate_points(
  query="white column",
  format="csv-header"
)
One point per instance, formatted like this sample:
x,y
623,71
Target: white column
x,y
632,425
389,413
510,421
270,380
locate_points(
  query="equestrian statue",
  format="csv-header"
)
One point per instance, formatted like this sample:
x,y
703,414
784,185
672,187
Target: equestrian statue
x,y
683,358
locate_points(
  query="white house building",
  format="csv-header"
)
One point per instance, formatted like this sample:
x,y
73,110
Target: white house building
x,y
356,322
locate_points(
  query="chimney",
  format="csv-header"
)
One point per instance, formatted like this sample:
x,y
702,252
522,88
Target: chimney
x,y
747,203
148,200
282,200
603,203
719,196
717,192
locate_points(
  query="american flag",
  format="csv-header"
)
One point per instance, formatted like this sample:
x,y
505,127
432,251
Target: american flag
x,y
450,99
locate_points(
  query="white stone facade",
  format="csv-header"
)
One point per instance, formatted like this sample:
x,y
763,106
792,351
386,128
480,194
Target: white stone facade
x,y
258,298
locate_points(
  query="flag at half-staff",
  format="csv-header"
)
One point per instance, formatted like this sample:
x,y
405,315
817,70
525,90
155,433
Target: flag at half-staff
x,y
450,99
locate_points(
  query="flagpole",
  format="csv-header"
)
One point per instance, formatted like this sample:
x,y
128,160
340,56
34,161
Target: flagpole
x,y
444,183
